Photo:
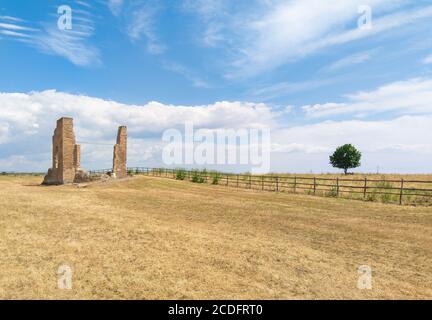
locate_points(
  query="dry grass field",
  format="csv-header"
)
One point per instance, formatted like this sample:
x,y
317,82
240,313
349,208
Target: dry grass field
x,y
155,238
407,189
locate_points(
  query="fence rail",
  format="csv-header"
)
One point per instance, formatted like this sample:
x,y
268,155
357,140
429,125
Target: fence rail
x,y
401,191
417,192
13,173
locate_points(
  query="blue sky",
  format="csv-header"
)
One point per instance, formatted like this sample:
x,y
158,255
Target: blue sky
x,y
322,79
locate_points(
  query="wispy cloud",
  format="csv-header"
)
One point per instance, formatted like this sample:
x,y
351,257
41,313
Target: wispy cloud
x,y
286,88
115,6
187,73
15,28
213,14
14,34
74,44
412,96
70,44
9,18
141,20
267,34
428,60
84,4
357,58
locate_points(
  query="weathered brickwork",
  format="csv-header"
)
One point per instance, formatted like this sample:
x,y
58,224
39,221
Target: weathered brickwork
x,y
65,160
120,154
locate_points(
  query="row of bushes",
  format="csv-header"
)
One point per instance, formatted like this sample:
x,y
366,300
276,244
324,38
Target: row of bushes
x,y
375,192
198,176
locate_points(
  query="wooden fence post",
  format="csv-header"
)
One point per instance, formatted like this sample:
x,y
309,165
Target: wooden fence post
x,y
314,186
401,191
295,184
238,181
277,184
227,182
250,181
365,188
337,187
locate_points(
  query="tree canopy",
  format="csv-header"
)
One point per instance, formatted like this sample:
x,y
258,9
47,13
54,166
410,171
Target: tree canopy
x,y
346,157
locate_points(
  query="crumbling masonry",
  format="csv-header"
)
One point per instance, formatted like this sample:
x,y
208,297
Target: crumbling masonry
x,y
66,157
66,154
120,154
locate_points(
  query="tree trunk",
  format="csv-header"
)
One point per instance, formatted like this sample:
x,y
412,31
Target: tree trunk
x,y
346,171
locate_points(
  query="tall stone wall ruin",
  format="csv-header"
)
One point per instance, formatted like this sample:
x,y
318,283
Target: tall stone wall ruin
x,y
66,154
120,154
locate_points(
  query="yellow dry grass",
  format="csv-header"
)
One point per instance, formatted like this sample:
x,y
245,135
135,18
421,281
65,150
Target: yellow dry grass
x,y
154,238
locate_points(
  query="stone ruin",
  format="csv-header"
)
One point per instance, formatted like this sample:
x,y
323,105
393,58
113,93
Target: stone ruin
x,y
120,154
67,154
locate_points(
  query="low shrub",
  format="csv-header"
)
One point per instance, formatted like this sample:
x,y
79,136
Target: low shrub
x,y
198,176
332,192
180,174
216,177
383,186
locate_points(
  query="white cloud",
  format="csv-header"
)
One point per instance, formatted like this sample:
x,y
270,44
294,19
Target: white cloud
x,y
115,6
400,145
9,18
267,34
407,133
14,34
74,45
413,96
27,122
83,3
141,21
16,162
70,44
428,60
350,60
11,26
286,88
36,112
185,72
213,14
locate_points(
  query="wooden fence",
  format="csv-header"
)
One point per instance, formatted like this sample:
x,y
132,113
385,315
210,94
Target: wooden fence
x,y
16,174
401,191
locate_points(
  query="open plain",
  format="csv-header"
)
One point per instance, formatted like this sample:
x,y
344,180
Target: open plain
x,y
155,238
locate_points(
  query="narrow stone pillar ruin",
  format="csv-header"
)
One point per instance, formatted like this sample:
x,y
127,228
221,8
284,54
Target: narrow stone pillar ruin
x,y
66,154
120,154
77,156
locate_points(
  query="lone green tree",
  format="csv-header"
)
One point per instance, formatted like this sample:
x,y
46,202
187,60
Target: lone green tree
x,y
346,157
